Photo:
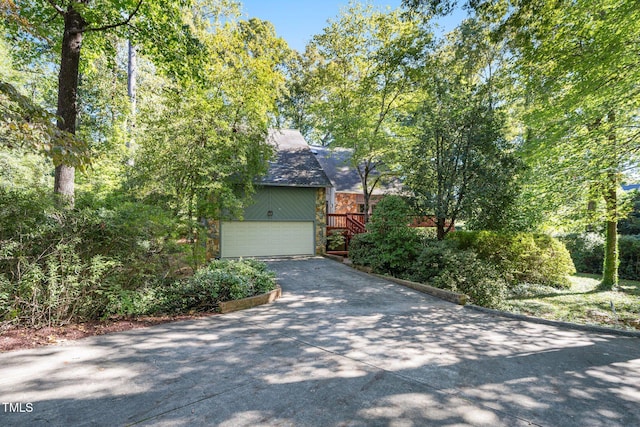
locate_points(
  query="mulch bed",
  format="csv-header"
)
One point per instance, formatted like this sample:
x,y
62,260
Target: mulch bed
x,y
17,338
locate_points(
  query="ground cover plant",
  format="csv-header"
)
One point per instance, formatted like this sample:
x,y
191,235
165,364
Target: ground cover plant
x,y
581,303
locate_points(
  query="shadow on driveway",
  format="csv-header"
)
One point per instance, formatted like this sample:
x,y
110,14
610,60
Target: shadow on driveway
x,y
339,348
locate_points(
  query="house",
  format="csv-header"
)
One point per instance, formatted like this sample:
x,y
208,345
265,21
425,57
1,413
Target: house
x,y
346,194
288,214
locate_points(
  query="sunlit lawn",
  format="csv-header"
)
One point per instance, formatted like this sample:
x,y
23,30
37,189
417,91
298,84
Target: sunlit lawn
x,y
583,303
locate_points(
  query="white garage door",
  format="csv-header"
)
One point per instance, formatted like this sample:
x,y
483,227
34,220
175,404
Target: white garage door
x,y
266,238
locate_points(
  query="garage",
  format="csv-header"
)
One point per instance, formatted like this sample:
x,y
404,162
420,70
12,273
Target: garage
x,y
286,216
263,238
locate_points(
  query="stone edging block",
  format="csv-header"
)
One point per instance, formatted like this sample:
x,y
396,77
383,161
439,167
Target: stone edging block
x,y
453,297
244,303
444,294
558,323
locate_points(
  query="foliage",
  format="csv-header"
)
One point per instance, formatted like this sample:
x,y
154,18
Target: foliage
x,y
87,30
629,257
61,266
336,239
395,244
461,165
587,251
358,79
578,66
219,281
631,224
202,145
443,265
361,249
27,126
21,170
575,74
521,257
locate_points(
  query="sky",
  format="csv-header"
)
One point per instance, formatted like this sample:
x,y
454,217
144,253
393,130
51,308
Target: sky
x,y
297,21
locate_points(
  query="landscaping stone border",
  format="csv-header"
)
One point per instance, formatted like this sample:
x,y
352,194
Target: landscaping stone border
x,y
569,325
244,303
450,296
444,294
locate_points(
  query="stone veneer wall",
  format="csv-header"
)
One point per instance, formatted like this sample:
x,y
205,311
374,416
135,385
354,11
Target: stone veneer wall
x,y
321,220
213,239
346,203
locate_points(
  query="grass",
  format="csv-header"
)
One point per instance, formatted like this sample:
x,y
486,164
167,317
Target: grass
x,y
583,303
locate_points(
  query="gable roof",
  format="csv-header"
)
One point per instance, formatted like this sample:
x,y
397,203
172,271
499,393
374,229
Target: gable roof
x,y
336,163
293,165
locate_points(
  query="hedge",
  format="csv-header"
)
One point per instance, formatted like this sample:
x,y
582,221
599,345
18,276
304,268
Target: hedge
x,y
521,257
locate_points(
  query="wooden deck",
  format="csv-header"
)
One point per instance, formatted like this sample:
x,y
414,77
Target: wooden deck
x,y
351,224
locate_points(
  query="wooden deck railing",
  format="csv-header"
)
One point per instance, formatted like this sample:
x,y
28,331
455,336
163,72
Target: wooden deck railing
x,y
349,224
353,223
340,221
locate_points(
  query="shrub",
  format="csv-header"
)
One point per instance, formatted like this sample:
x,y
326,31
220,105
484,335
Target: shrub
x,y
390,245
337,240
587,251
219,281
520,257
58,266
362,248
444,266
629,247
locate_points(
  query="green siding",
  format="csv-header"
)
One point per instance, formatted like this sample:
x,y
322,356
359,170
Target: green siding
x,y
286,204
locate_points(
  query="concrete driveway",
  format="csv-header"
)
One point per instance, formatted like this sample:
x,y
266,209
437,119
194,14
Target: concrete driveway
x,y
340,348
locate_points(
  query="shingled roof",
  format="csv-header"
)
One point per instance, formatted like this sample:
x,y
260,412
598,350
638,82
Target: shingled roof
x,y
293,165
336,163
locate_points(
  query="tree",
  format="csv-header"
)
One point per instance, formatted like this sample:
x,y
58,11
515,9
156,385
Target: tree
x,y
362,78
461,163
578,61
63,24
202,143
576,65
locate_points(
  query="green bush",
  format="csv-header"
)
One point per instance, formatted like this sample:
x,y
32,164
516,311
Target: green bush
x,y
58,266
337,240
587,251
361,249
629,249
443,265
520,257
219,281
390,245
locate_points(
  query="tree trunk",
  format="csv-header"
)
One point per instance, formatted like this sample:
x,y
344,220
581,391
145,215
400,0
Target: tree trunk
x,y
67,111
610,268
440,228
132,70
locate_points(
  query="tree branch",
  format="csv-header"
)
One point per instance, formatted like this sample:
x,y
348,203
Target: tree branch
x,y
111,26
56,7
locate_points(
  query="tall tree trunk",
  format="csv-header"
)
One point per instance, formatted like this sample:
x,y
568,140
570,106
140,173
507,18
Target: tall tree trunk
x,y
132,71
67,111
610,268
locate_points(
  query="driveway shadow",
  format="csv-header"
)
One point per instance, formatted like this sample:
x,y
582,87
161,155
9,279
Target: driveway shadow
x,y
339,348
